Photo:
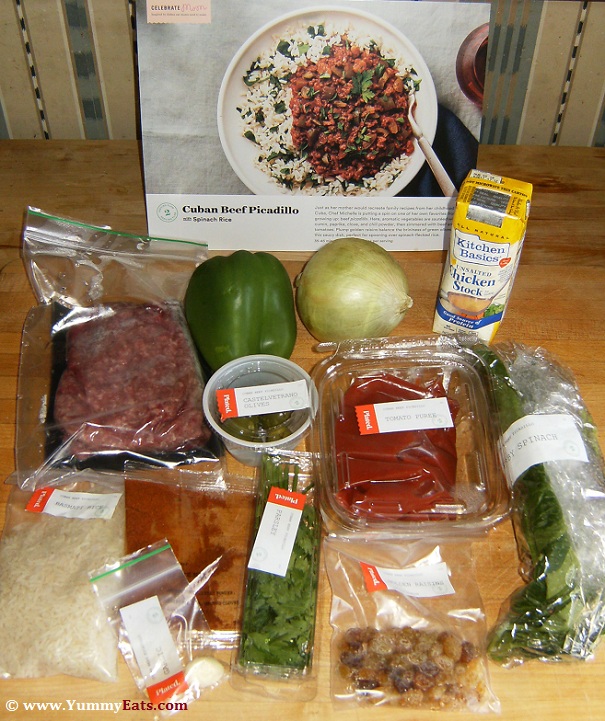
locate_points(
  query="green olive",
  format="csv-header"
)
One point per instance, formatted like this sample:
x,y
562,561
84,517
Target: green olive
x,y
264,428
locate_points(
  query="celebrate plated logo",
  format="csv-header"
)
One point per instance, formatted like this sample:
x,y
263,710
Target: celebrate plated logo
x,y
178,12
167,212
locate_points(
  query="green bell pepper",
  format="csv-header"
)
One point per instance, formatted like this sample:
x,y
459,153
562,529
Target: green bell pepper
x,y
241,304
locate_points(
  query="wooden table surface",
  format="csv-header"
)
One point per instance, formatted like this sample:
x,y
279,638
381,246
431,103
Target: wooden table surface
x,y
558,301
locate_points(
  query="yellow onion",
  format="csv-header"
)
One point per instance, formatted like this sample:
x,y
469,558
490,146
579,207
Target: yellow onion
x,y
351,288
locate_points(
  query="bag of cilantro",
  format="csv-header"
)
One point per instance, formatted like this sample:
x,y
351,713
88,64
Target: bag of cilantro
x,y
556,472
275,654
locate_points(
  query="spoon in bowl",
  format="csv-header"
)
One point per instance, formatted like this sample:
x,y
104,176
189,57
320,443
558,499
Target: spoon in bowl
x,y
440,173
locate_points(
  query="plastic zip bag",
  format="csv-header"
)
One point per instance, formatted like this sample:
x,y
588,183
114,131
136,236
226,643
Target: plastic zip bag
x,y
50,621
78,265
207,518
408,626
108,370
158,622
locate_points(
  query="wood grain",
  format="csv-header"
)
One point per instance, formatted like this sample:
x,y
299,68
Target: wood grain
x,y
557,301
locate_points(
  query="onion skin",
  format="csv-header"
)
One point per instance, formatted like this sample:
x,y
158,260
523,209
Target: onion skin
x,y
351,288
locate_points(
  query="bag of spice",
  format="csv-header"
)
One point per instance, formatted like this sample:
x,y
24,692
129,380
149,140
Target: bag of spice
x,y
153,613
207,518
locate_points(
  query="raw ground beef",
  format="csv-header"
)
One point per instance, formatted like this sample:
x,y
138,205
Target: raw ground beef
x,y
131,384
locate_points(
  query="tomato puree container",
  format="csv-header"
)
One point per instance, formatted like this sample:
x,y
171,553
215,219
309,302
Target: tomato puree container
x,y
405,440
488,230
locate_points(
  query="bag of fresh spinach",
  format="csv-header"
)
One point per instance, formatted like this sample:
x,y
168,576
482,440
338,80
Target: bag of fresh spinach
x,y
556,471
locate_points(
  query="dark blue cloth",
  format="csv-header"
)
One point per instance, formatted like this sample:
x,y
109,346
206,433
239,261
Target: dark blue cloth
x,y
455,146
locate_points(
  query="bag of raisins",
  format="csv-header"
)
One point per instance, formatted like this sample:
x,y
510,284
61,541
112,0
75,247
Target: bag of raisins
x,y
408,626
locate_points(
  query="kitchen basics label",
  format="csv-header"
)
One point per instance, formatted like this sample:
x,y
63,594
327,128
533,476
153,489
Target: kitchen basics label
x,y
72,504
268,398
424,581
540,438
404,416
486,239
277,532
154,648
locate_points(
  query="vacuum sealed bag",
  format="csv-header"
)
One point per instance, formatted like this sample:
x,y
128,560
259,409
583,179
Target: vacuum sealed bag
x,y
157,621
556,471
50,620
108,370
408,626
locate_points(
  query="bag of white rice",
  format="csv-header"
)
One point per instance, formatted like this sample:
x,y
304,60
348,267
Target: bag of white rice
x,y
50,619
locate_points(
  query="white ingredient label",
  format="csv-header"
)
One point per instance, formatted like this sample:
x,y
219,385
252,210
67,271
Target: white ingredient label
x,y
71,504
404,416
277,532
537,439
256,400
154,648
425,581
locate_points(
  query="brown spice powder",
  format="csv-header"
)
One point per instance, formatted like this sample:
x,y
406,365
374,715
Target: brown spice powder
x,y
201,525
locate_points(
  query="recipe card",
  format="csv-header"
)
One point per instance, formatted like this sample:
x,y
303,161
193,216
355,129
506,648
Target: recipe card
x,y
281,126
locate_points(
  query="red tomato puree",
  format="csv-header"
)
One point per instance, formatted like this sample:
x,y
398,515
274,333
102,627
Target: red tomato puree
x,y
391,475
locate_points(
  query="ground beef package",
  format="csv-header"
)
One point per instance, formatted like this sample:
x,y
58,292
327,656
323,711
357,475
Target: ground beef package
x,y
108,372
127,385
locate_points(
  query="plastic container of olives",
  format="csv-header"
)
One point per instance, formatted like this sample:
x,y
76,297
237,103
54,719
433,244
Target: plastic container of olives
x,y
247,436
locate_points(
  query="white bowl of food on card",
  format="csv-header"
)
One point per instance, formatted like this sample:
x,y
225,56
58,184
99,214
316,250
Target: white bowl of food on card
x,y
317,102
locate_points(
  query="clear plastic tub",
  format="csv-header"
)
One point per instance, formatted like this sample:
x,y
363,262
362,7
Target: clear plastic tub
x,y
276,651
428,460
248,436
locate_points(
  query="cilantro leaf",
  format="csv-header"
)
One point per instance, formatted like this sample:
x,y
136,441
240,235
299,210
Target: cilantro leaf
x,y
362,84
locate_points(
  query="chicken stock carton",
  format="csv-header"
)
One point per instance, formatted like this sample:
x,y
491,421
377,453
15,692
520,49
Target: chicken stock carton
x,y
488,230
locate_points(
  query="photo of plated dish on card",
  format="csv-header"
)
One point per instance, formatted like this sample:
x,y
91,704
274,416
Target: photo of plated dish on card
x,y
317,102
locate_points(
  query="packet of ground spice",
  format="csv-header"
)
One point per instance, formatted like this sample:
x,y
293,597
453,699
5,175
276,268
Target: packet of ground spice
x,y
207,524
